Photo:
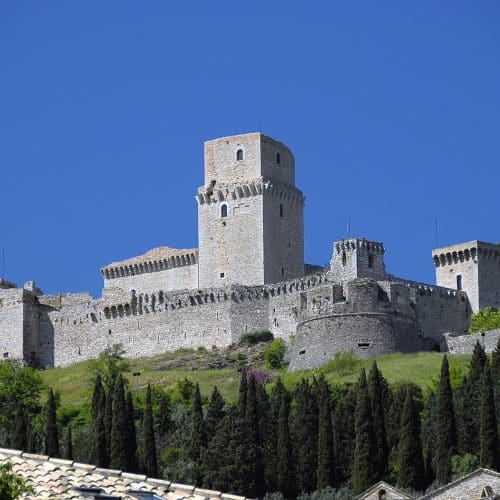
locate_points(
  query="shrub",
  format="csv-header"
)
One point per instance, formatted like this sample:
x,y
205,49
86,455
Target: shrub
x,y
275,354
12,486
343,362
484,320
252,338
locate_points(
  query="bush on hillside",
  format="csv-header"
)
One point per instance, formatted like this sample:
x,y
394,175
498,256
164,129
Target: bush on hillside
x,y
275,354
252,338
484,320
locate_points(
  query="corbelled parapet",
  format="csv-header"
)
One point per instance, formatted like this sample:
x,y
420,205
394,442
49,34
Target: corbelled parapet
x,y
474,267
157,259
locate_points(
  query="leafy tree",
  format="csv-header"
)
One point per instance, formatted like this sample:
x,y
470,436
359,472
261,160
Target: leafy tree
x,y
411,461
305,436
19,433
12,486
69,444
275,354
376,392
489,451
120,428
484,320
215,413
461,465
150,463
364,468
446,434
325,473
162,413
51,431
19,385
109,365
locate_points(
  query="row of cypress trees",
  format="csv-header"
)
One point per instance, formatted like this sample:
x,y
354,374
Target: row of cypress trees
x,y
299,440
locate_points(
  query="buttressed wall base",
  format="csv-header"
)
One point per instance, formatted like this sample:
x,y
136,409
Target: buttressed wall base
x,y
249,274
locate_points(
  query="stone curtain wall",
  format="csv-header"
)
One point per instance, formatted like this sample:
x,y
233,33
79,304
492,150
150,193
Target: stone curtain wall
x,y
12,322
464,344
174,278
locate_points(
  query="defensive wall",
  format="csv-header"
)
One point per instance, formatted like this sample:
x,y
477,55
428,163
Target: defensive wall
x,y
464,344
249,274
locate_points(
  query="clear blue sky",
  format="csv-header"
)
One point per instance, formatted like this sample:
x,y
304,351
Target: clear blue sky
x,y
391,108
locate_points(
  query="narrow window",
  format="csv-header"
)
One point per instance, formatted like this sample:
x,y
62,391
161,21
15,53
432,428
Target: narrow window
x,y
239,155
344,259
5,355
459,282
370,260
223,210
282,271
382,495
278,158
281,209
222,275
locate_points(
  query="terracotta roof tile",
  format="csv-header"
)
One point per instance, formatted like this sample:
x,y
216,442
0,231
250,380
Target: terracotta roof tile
x,y
56,478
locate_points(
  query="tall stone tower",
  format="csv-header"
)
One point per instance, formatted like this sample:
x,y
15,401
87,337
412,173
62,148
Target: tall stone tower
x,y
250,214
357,258
473,267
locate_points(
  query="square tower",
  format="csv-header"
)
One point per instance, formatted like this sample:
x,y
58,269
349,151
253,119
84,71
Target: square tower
x,y
473,267
357,258
250,214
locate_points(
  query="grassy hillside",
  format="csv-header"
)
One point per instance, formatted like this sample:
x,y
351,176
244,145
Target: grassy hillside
x,y
219,368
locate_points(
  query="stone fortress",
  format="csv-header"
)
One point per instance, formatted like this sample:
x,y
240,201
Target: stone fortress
x,y
249,274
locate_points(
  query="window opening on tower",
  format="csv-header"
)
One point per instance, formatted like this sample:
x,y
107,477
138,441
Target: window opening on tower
x,y
223,210
239,155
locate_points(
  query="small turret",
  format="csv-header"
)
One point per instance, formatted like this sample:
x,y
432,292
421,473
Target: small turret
x,y
357,258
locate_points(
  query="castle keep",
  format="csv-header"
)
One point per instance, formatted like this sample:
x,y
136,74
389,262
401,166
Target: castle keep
x,y
249,274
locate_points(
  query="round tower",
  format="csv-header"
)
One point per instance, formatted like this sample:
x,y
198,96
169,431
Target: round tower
x,y
250,214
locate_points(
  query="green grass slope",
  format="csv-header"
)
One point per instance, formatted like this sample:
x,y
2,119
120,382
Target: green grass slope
x,y
167,370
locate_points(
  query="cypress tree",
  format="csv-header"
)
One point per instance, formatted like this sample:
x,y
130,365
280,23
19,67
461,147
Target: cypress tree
x,y
256,481
51,431
411,472
495,377
376,392
305,437
470,416
97,394
215,413
120,429
100,454
285,477
69,443
271,440
325,471
344,436
428,437
446,434
242,398
163,416
131,434
150,463
364,468
19,431
198,432
489,452
108,423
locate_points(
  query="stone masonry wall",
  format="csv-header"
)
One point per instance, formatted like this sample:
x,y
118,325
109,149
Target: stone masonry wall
x,y
12,323
464,344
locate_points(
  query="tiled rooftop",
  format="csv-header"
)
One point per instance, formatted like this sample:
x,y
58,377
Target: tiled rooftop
x,y
56,478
